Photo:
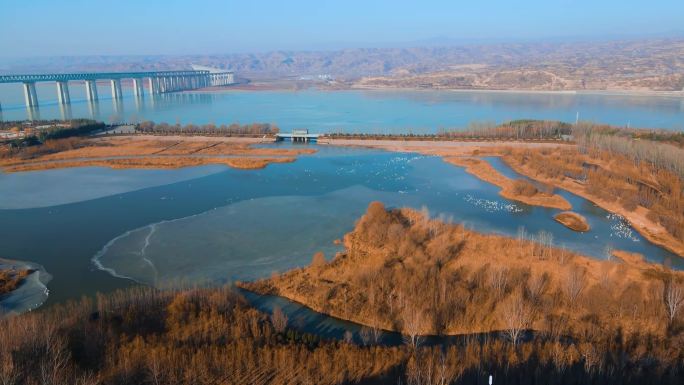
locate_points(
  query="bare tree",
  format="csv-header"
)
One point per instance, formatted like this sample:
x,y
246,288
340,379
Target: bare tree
x,y
498,279
412,323
376,334
575,281
8,373
590,355
674,298
522,239
563,255
516,316
348,337
365,334
543,247
54,361
537,285
155,368
279,319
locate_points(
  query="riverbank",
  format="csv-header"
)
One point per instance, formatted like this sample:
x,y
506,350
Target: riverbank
x,y
296,85
151,152
607,92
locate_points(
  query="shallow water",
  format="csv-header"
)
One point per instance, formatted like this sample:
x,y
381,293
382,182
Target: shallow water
x,y
226,224
395,111
31,294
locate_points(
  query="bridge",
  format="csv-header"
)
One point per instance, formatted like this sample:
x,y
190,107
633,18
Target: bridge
x,y
297,135
157,82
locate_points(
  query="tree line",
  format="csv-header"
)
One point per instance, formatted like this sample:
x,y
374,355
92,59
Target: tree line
x,y
208,129
513,130
53,130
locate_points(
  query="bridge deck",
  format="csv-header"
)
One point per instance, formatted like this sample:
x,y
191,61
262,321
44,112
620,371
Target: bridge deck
x,y
94,76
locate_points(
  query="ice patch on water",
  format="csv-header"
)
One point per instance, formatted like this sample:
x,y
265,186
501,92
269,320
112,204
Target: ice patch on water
x,y
620,228
245,240
492,206
24,190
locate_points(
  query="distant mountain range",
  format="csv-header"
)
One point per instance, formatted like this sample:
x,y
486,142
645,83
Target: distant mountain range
x,y
650,64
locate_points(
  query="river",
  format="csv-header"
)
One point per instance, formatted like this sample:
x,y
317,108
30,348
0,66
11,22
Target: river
x,y
352,111
96,229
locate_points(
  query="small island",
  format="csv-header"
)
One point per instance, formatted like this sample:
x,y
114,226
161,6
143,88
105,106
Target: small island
x,y
515,189
573,221
12,278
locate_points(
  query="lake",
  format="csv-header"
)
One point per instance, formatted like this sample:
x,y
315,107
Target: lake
x,y
351,111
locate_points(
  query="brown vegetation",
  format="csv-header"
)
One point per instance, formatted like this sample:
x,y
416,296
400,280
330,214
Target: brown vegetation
x,y
152,163
143,336
519,190
10,279
403,271
572,221
143,152
254,129
646,190
150,337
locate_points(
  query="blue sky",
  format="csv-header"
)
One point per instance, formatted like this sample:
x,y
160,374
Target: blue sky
x,y
85,27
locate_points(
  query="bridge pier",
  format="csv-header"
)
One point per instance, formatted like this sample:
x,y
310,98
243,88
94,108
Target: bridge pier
x,y
153,85
30,95
63,93
93,108
116,89
33,113
91,90
137,87
65,111
117,109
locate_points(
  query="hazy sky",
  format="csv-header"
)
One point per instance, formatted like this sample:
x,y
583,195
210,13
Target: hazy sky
x,y
81,27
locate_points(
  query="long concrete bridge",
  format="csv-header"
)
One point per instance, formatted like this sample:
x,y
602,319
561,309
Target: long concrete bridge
x,y
157,82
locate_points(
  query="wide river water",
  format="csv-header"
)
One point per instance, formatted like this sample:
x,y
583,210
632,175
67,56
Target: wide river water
x,y
97,229
351,111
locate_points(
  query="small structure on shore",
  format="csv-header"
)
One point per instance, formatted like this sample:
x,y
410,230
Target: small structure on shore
x,y
297,135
